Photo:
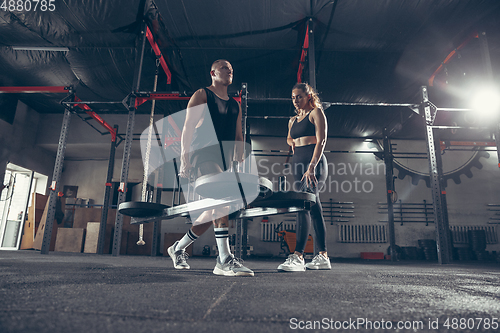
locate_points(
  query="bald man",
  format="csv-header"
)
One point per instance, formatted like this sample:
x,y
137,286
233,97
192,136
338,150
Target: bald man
x,y
225,113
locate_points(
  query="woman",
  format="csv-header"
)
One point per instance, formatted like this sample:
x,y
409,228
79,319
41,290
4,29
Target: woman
x,y
307,137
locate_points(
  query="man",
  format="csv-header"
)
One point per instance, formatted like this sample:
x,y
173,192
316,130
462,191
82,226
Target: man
x,y
207,158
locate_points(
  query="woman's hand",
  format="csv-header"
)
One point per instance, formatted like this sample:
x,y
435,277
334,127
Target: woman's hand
x,y
310,178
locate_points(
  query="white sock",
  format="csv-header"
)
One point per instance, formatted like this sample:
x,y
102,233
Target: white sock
x,y
222,239
185,241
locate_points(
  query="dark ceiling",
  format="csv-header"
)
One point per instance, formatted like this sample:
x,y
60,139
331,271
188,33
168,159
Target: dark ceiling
x,y
377,51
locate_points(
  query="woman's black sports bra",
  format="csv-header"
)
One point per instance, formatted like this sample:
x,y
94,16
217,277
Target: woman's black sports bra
x,y
302,128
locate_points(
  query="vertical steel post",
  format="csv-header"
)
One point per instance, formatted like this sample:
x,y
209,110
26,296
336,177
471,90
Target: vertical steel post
x,y
160,179
244,108
177,186
139,59
155,244
26,208
244,238
438,194
497,141
311,54
56,178
389,183
107,195
238,246
485,53
117,237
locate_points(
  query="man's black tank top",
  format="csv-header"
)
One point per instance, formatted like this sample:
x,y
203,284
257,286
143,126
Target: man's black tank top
x,y
302,128
224,116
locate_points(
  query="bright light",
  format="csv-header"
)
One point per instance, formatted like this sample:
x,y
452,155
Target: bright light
x,y
486,101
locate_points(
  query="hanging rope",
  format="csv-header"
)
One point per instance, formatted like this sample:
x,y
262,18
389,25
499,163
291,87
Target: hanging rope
x,y
146,156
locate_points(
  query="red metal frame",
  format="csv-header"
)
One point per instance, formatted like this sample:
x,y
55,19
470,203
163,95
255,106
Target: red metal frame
x,y
57,90
238,99
160,96
446,144
174,126
81,106
450,56
28,90
97,118
157,51
305,48
170,140
470,143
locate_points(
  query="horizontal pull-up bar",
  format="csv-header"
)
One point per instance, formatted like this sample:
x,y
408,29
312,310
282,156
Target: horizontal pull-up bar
x,y
411,106
89,102
454,109
30,90
328,104
459,127
159,97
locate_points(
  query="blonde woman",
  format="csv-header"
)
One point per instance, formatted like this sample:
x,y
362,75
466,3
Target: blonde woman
x,y
307,132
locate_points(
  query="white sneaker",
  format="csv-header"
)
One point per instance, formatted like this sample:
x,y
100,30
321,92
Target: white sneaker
x,y
319,262
293,264
231,267
178,257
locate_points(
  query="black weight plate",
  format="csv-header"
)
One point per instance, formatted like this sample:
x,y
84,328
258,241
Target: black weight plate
x,y
286,200
141,209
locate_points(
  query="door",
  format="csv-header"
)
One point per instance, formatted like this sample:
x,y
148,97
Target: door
x,y
14,202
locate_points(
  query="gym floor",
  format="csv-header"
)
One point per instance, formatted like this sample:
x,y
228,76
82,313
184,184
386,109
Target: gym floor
x,y
65,292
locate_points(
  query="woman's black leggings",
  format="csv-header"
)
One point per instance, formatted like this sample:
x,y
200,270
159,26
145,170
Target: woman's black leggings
x,y
301,159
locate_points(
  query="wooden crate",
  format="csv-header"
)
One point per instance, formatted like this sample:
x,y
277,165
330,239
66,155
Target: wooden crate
x,y
69,240
37,243
35,212
92,237
86,215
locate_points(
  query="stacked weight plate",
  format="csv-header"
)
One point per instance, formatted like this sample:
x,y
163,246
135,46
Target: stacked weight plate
x,y
463,253
429,248
410,252
477,242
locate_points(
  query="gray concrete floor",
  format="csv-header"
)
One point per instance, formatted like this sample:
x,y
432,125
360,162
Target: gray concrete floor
x,y
63,292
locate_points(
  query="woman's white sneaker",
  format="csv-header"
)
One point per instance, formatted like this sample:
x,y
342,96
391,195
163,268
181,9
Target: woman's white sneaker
x,y
293,264
319,262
